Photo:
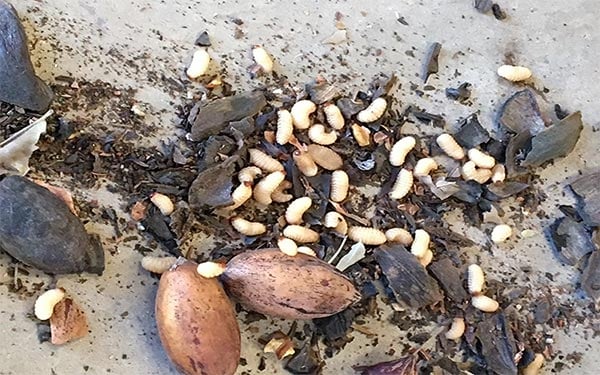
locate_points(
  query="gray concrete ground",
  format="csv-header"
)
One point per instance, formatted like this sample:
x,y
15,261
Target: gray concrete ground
x,y
83,39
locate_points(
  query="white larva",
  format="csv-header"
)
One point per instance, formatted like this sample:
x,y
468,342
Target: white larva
x,y
300,234
403,184
340,183
514,73
400,149
157,265
264,161
307,251
373,112
285,127
279,195
301,113
334,116
481,159
199,64
294,212
163,203
44,304
305,163
240,195
484,303
457,329
210,270
535,366
366,235
498,173
399,235
501,233
420,244
470,171
450,147
249,174
475,279
262,59
266,186
319,135
424,167
336,221
426,259
287,246
362,135
248,228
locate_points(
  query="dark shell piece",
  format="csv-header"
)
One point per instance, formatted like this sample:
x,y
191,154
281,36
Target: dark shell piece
x,y
407,278
521,113
587,187
349,107
321,91
483,6
590,280
305,361
18,83
404,366
431,60
203,40
471,133
38,229
449,278
497,344
501,190
212,188
571,239
460,93
518,145
336,326
555,142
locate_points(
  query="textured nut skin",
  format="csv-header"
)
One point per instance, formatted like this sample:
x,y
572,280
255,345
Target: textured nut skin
x,y
196,323
300,287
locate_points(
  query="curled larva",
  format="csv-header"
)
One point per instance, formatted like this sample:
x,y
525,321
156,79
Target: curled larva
x,y
325,157
334,116
339,186
426,259
294,212
470,171
307,251
400,149
501,233
266,186
157,265
361,134
287,246
248,228
279,195
403,184
484,303
457,329
264,161
262,59
399,235
210,270
319,135
336,221
301,113
199,64
481,159
514,73
498,173
450,147
305,163
240,195
366,235
373,112
285,128
424,167
420,244
163,203
44,304
249,174
475,279
535,366
300,234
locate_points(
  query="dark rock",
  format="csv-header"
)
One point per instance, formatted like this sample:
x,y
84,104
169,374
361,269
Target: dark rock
x,y
18,83
590,280
38,229
320,91
556,141
497,344
213,116
431,60
461,93
449,277
408,279
349,107
521,113
471,133
587,187
212,188
336,326
571,239
203,40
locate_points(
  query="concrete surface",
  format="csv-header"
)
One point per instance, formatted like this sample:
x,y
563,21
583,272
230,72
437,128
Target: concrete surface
x,y
558,40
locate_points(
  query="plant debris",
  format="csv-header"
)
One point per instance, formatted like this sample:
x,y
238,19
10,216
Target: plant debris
x,y
571,239
471,134
68,322
498,346
406,365
587,188
461,93
521,113
590,280
431,60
